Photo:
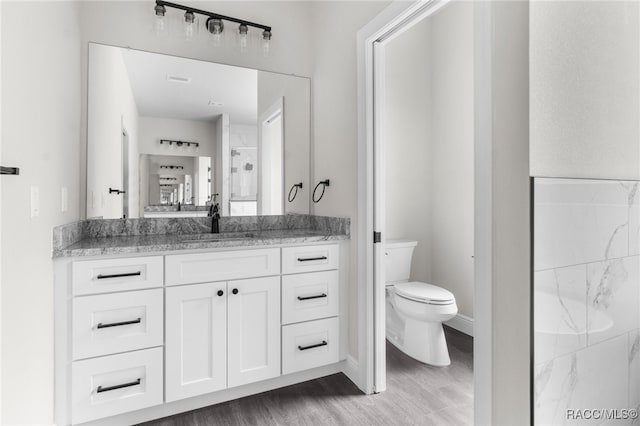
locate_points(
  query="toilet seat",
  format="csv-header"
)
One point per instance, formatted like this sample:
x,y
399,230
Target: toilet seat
x,y
424,293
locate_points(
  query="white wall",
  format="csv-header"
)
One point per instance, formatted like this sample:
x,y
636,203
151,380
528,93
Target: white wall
x,y
585,82
297,131
429,180
335,119
112,107
510,218
41,135
408,160
452,35
153,129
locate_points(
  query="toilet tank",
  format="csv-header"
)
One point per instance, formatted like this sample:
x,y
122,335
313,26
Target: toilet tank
x,y
398,255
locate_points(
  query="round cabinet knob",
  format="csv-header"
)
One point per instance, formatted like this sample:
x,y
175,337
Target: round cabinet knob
x,y
234,291
220,292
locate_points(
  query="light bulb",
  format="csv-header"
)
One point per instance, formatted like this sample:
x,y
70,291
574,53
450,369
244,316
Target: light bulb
x,y
215,27
266,42
189,26
243,32
160,21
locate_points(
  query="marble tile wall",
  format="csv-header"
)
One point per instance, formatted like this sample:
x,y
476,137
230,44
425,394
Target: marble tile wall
x,y
586,299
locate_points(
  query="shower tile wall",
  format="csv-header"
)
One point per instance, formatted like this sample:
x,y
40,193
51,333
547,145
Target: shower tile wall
x,y
586,299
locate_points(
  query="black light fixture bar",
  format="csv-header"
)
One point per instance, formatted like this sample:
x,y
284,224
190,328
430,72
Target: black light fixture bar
x,y
212,15
179,143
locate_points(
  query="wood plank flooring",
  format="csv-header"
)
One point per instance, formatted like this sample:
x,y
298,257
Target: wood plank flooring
x,y
416,394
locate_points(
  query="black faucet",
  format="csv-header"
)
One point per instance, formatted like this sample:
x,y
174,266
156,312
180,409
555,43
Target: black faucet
x,y
215,218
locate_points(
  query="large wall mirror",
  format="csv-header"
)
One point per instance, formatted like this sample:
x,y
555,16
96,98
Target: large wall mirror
x,y
168,136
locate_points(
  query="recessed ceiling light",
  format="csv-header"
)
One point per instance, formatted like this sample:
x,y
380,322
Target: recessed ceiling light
x,y
215,104
178,79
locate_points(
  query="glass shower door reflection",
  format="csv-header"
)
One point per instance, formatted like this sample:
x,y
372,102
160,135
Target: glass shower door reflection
x,y
244,181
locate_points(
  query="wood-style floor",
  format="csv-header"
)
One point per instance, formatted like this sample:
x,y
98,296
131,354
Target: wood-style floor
x,y
416,394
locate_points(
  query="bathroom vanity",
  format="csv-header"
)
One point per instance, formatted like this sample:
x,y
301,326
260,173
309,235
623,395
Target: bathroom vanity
x,y
153,325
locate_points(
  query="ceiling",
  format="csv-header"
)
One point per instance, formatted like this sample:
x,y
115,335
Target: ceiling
x,y
156,96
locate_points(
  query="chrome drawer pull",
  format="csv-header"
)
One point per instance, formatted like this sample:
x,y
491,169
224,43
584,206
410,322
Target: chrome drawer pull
x,y
319,296
118,324
127,274
309,259
304,348
124,385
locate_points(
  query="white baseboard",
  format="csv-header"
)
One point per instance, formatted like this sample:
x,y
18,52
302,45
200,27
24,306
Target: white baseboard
x,y
462,323
352,371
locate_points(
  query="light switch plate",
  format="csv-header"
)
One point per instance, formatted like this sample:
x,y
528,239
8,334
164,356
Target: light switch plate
x,y
35,201
64,202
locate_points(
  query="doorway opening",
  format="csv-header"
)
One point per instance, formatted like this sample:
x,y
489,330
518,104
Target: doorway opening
x,y
372,220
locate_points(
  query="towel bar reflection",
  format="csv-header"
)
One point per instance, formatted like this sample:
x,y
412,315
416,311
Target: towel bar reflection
x,y
294,191
9,170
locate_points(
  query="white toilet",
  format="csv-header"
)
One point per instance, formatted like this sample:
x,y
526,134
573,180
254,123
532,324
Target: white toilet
x,y
415,310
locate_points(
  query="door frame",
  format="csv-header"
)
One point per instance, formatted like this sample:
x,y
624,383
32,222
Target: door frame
x,y
269,114
392,21
126,171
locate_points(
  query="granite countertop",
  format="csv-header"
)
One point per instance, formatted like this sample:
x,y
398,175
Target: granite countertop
x,y
170,242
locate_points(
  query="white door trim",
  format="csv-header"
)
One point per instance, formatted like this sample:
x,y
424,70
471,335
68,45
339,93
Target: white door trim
x,y
393,20
269,114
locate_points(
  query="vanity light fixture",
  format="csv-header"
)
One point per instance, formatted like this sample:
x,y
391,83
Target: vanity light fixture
x,y
243,34
160,21
172,167
189,26
214,25
180,144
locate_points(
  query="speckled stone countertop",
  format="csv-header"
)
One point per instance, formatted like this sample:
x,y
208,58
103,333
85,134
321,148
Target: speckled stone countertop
x,y
161,243
81,239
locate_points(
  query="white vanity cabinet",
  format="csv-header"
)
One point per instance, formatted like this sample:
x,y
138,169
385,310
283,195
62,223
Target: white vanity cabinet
x,y
152,336
219,330
310,307
115,337
196,340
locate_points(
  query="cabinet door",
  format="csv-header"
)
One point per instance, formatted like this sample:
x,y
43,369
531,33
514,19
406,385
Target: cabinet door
x,y
196,340
254,330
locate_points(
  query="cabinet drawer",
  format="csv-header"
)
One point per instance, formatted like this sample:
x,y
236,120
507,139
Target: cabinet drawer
x,y
105,276
310,296
310,258
222,266
309,344
110,323
115,384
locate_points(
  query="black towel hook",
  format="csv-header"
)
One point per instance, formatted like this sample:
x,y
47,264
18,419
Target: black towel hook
x,y
324,184
295,193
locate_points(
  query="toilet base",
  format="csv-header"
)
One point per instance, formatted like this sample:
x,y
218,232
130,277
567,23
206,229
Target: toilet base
x,y
425,342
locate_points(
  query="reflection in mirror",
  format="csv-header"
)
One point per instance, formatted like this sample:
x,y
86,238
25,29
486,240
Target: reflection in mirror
x,y
174,135
174,181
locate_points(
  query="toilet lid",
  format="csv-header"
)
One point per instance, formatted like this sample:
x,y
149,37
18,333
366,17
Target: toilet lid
x,y
425,293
